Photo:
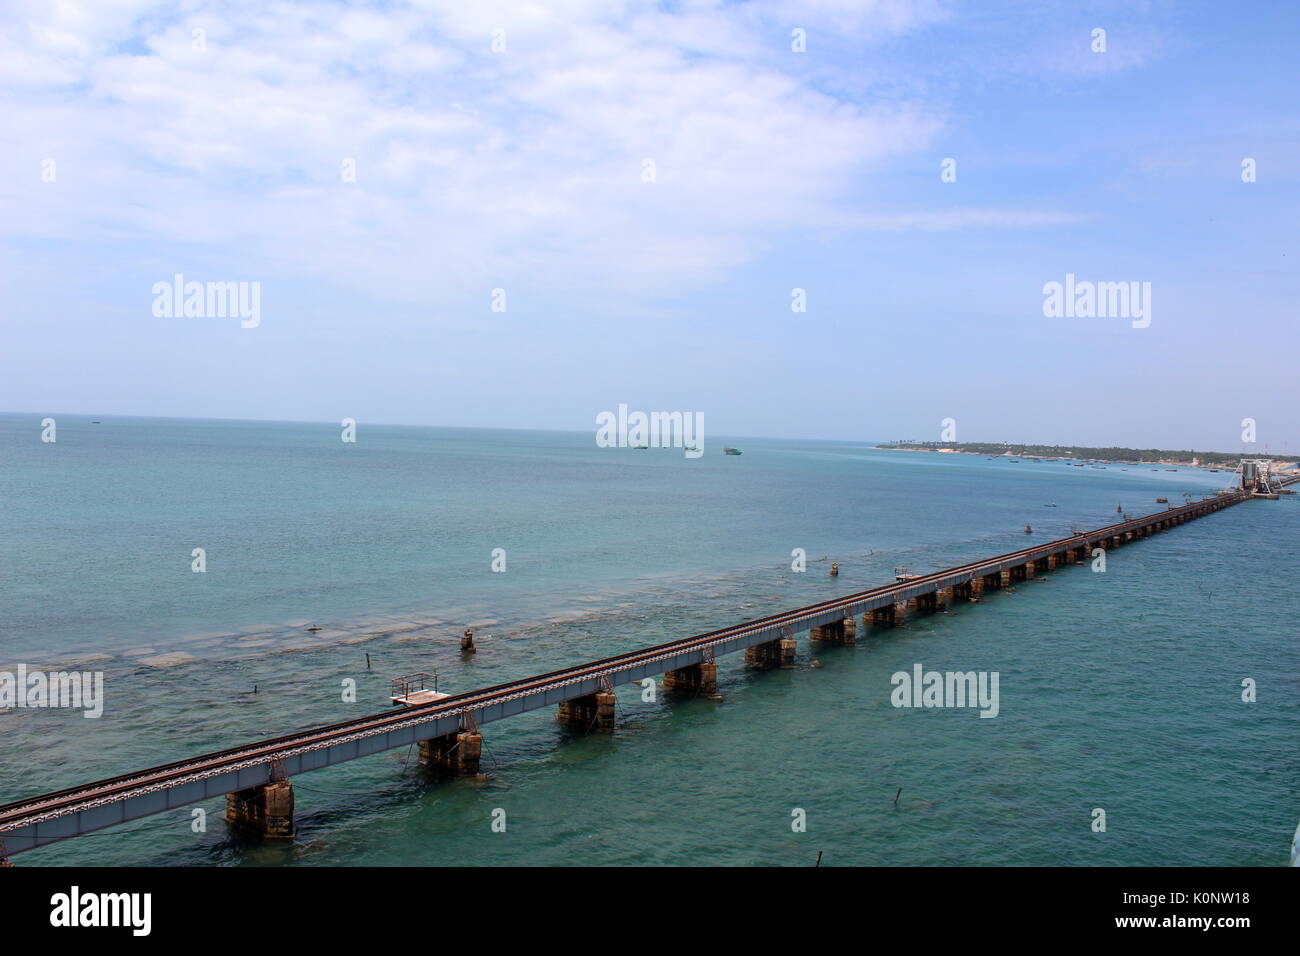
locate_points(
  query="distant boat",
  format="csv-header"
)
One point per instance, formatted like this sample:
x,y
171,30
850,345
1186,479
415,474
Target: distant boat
x,y
731,451
1052,505
640,447
96,422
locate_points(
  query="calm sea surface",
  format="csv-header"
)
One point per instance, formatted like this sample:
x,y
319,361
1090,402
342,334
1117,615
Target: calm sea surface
x,y
1119,690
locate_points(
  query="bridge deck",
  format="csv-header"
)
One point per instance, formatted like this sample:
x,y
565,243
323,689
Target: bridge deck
x,y
33,822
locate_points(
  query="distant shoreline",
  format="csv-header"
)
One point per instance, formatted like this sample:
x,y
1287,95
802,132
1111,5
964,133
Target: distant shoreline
x,y
1207,460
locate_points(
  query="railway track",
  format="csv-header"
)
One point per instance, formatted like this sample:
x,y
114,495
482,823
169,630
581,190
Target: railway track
x,y
51,806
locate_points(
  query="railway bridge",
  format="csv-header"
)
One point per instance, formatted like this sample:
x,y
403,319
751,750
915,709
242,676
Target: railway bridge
x,y
254,778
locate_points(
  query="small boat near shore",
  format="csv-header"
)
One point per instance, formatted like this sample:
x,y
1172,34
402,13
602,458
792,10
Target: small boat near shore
x,y
732,451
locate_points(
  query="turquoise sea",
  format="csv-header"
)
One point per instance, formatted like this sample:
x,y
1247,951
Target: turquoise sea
x,y
1119,690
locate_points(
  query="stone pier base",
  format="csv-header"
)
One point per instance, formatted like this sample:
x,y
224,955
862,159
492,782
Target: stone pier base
x,y
266,810
836,632
455,753
589,712
763,656
789,648
922,602
695,679
891,615
832,633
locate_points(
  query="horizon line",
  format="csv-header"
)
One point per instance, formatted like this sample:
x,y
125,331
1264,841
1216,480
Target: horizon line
x,y
871,444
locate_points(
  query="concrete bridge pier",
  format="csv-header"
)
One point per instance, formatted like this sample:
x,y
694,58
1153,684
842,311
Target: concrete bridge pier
x,y
943,598
699,678
1004,578
789,648
832,633
763,656
891,615
922,602
1051,562
457,753
265,810
589,712
836,632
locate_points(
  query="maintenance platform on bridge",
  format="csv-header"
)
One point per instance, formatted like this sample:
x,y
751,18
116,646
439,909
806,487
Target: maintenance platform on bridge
x,y
416,689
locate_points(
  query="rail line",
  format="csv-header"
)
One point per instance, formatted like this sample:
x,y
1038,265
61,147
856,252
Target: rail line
x,y
21,821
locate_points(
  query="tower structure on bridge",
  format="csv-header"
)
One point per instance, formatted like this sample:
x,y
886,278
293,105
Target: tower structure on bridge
x,y
1257,477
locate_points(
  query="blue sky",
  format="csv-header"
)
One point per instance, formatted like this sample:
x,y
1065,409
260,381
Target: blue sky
x,y
774,170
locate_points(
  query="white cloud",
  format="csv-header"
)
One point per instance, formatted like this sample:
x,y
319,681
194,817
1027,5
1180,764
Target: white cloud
x,y
473,168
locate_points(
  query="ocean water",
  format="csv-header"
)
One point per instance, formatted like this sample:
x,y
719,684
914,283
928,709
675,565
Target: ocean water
x,y
1118,690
